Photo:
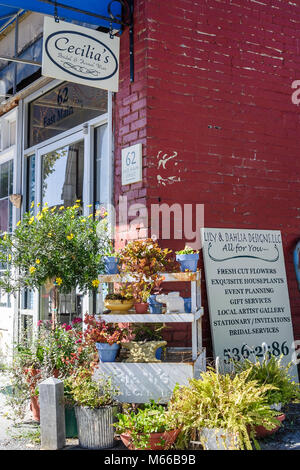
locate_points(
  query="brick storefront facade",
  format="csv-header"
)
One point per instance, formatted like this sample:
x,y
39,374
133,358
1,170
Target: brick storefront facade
x,y
212,86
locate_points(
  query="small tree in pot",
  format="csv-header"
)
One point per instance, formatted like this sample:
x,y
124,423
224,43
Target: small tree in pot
x,y
58,248
145,261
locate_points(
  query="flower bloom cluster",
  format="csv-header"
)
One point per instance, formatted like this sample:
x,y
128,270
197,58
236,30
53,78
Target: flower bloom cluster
x,y
98,331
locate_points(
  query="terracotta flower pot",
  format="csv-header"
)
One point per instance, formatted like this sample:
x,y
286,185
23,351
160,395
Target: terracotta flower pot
x,y
33,376
35,407
141,307
261,431
155,440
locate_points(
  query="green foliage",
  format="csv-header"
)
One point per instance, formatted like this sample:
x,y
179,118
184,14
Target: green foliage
x,y
58,246
117,296
61,349
50,351
186,251
271,371
145,260
32,435
229,402
148,331
142,422
82,390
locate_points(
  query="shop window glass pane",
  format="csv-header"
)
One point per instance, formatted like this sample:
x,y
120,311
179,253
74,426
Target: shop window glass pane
x,y
30,181
27,299
4,215
12,133
62,179
63,108
4,179
69,306
6,188
101,165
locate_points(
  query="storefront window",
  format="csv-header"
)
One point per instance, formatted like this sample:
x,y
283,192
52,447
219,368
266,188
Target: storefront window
x,y
101,165
62,175
6,188
69,306
30,197
62,108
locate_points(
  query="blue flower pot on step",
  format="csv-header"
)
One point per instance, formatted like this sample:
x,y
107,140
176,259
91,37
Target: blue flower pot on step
x,y
111,264
188,305
154,306
107,352
188,262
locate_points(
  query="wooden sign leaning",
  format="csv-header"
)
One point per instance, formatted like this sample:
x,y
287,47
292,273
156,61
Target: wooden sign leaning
x,y
247,293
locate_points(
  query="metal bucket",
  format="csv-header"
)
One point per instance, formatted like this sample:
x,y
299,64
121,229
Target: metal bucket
x,y
95,427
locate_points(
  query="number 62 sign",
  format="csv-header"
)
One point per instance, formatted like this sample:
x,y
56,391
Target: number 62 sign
x,y
132,164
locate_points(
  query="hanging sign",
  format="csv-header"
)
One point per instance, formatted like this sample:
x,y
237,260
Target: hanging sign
x,y
80,55
132,164
247,295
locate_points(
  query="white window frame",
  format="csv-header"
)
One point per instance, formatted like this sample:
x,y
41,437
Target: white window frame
x,y
83,131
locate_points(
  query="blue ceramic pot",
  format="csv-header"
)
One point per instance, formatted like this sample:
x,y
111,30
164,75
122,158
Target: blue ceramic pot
x,y
111,264
107,352
188,305
158,353
189,262
154,307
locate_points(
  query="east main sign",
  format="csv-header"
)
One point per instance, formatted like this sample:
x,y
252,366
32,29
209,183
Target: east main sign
x,y
80,55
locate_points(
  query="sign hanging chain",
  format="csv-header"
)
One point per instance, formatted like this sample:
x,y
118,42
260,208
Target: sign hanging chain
x,y
56,17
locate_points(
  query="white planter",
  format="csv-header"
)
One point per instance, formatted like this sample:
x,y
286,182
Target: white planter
x,y
217,439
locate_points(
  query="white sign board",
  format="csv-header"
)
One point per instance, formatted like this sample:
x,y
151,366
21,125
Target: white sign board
x,y
247,294
132,164
80,55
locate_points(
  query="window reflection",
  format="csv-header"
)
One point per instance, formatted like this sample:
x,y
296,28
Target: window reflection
x,y
62,180
6,189
62,108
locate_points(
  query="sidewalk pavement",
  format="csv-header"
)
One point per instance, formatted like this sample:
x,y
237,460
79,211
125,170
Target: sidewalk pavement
x,y
20,437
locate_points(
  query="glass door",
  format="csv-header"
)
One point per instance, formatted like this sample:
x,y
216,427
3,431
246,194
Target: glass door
x,y
61,174
60,182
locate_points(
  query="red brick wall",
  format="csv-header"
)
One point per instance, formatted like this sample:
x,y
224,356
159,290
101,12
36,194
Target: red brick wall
x,y
213,83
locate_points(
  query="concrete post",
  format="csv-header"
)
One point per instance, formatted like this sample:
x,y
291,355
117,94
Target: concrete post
x,y
52,414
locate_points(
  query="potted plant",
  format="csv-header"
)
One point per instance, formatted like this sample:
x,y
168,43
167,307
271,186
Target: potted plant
x,y
148,427
52,352
141,292
156,307
95,408
111,262
271,371
145,261
120,301
106,337
218,409
57,247
188,259
149,332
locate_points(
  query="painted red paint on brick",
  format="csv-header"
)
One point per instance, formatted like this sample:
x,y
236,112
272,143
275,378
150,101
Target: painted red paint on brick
x,y
207,64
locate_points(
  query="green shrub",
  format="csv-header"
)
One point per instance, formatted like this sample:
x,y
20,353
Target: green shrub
x,y
233,403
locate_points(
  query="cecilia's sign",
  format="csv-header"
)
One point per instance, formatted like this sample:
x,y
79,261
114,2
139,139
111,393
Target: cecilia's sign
x,y
80,55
